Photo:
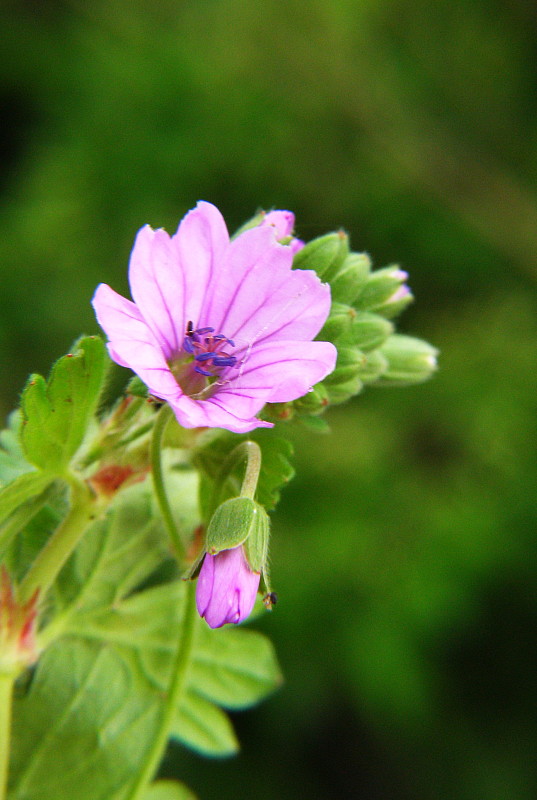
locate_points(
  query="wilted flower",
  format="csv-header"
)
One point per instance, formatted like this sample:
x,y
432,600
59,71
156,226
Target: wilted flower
x,y
218,328
226,588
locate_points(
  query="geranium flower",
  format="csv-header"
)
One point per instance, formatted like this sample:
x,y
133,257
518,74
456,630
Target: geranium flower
x,y
226,588
218,328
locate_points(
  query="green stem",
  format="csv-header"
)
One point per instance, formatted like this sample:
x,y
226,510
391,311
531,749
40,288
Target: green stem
x,y
164,416
173,696
6,694
52,557
248,452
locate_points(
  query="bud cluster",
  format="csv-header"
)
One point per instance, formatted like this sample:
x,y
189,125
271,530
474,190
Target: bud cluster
x,y
364,303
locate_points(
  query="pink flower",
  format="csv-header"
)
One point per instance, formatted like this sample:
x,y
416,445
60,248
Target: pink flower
x,y
226,588
218,328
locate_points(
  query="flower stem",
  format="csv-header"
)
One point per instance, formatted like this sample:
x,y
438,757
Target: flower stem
x,y
164,416
61,544
6,692
252,453
176,687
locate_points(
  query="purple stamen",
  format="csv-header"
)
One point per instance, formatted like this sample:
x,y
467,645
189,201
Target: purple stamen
x,y
204,372
224,361
201,331
187,344
204,356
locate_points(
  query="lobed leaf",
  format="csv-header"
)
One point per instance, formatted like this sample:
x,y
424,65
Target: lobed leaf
x,y
204,727
57,412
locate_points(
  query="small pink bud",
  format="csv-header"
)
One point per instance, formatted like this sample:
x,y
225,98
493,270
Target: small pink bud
x,y
226,588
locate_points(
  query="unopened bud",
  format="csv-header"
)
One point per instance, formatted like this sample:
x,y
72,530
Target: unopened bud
x,y
369,331
410,360
384,292
325,255
346,285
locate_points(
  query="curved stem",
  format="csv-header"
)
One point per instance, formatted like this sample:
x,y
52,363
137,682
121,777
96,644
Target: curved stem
x,y
176,687
6,693
52,557
250,452
164,416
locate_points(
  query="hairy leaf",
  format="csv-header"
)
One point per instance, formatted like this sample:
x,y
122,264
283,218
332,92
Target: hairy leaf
x,y
57,412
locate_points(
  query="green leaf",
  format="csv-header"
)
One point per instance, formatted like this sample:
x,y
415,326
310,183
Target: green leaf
x,y
169,790
12,461
116,555
57,412
234,668
203,727
84,725
20,490
276,468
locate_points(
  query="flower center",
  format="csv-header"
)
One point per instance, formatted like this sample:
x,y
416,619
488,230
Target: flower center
x,y
206,356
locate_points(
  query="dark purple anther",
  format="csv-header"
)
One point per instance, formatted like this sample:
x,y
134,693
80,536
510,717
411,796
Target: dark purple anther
x,y
204,372
187,344
224,361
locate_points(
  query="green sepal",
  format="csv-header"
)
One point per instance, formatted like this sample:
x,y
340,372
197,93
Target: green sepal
x,y
346,285
314,402
256,545
410,360
348,365
379,289
56,413
325,255
339,323
341,392
231,524
369,331
374,365
136,387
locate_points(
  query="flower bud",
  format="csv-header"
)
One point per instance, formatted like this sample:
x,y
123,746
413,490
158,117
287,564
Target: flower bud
x,y
314,402
325,255
369,331
339,322
236,555
226,588
410,360
374,365
345,286
344,381
385,292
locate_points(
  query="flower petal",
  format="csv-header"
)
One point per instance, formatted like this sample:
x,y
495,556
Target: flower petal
x,y
226,588
253,254
283,221
282,371
200,243
278,305
132,343
232,412
157,287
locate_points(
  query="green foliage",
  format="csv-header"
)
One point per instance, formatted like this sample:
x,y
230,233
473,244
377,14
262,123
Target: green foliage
x,y
168,790
56,412
276,469
90,718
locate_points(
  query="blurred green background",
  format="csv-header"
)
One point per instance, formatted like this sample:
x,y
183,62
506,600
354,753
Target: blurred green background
x,y
404,554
